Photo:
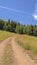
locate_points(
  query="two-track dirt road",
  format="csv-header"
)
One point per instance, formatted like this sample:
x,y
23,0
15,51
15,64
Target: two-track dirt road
x,y
21,58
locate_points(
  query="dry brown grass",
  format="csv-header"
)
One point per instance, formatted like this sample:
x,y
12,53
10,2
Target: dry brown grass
x,y
29,43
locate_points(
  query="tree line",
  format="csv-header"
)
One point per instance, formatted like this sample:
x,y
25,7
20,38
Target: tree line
x,y
12,26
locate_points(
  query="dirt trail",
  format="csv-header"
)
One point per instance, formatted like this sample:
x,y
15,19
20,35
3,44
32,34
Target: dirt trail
x,y
21,57
2,48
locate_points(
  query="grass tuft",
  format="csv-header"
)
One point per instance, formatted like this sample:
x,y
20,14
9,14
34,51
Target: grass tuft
x,y
26,46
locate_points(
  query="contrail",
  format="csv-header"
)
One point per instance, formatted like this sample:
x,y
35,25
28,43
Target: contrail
x,y
14,10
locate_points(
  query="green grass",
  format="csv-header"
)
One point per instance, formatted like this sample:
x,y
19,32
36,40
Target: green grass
x,y
32,40
5,34
8,55
28,42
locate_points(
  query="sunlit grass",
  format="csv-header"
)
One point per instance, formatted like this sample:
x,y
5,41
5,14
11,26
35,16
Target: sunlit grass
x,y
28,42
5,34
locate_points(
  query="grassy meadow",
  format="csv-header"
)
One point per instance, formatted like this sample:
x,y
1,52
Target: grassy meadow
x,y
29,43
5,34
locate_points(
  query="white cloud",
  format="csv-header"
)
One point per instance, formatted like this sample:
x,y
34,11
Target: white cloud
x,y
35,13
35,17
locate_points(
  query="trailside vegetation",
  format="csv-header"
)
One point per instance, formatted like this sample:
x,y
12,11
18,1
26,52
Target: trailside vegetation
x,y
12,26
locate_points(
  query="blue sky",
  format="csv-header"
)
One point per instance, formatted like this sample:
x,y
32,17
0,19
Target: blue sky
x,y
23,11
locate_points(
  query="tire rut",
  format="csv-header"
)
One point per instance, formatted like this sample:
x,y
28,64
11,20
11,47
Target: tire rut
x,y
21,57
2,48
